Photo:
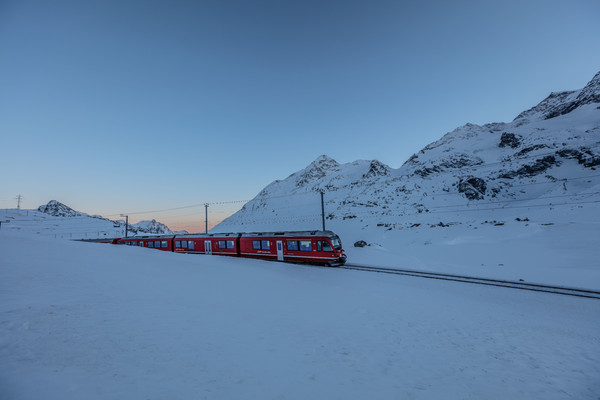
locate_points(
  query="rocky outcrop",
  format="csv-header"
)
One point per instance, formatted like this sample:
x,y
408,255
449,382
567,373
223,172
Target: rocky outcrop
x,y
472,187
509,140
539,166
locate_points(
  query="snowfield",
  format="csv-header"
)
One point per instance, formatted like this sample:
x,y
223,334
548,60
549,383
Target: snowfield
x,y
93,321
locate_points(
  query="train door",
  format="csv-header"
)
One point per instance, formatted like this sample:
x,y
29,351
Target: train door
x,y
279,250
207,247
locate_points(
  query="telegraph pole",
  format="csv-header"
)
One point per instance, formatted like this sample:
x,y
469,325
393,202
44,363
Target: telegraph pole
x,y
19,198
323,208
126,223
205,217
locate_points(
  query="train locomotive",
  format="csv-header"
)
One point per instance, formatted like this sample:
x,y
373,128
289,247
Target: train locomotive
x,y
316,247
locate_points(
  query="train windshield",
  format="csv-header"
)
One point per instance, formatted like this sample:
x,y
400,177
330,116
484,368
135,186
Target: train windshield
x,y
336,242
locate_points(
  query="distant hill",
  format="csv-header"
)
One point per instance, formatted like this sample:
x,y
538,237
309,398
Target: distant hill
x,y
61,221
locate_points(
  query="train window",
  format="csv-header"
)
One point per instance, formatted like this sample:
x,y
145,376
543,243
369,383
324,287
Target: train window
x,y
230,244
190,244
318,245
222,244
178,243
265,245
150,244
164,244
292,245
256,244
141,244
337,244
326,246
305,245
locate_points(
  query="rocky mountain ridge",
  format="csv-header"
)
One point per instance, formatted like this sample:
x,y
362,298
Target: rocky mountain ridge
x,y
547,155
153,227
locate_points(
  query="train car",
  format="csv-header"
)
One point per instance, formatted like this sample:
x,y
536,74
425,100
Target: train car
x,y
105,240
319,247
223,244
159,242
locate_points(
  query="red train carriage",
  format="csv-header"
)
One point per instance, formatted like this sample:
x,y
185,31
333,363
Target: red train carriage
x,y
319,247
159,242
224,244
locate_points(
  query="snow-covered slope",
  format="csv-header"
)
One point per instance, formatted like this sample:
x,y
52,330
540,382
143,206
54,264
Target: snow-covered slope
x,y
58,220
542,162
98,321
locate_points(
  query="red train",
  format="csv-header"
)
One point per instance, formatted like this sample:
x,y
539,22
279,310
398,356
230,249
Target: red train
x,y
319,247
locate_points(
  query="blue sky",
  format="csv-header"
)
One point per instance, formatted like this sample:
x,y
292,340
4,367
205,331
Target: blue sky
x,y
126,106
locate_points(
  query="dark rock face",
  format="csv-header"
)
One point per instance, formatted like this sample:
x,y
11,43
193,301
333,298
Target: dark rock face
x,y
509,140
473,188
529,149
583,156
539,166
456,161
360,243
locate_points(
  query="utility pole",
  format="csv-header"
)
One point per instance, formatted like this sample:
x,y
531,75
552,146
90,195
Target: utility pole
x,y
323,208
19,198
126,223
205,217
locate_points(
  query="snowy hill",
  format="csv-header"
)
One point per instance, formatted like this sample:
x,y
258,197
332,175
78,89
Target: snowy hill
x,y
547,157
58,220
97,321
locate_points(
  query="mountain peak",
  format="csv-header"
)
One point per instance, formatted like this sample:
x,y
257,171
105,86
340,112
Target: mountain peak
x,y
153,227
561,103
376,169
591,92
324,161
58,209
317,170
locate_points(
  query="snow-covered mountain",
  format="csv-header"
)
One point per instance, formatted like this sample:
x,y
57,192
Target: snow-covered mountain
x,y
542,162
61,221
152,227
58,209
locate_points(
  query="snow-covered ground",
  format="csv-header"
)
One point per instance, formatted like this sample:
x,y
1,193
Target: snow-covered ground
x,y
96,321
558,246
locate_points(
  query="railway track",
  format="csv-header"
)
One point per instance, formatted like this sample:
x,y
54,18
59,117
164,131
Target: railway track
x,y
534,287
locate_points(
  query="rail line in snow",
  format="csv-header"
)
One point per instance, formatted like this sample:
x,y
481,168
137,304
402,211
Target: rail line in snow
x,y
562,290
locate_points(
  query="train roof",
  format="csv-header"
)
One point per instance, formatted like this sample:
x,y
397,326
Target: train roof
x,y
291,233
235,234
245,234
148,237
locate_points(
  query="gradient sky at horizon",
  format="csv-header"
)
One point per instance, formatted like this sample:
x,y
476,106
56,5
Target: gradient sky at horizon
x,y
128,106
